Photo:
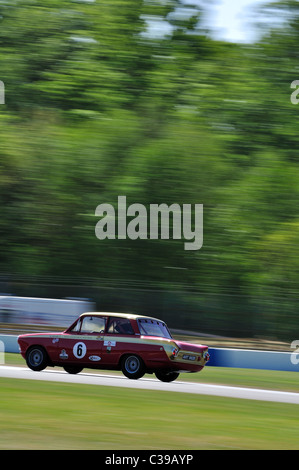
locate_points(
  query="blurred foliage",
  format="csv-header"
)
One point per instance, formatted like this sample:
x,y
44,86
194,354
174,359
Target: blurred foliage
x,y
95,108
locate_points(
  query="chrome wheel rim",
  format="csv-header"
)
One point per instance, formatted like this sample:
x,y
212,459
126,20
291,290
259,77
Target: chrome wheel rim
x,y
36,357
132,364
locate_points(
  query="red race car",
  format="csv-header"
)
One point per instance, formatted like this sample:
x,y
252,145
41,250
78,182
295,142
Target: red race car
x,y
134,344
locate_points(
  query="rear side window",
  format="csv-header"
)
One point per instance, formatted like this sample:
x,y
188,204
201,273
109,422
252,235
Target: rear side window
x,y
120,326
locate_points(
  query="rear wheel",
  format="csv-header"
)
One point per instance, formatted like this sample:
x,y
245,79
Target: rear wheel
x,y
73,369
36,358
166,376
133,367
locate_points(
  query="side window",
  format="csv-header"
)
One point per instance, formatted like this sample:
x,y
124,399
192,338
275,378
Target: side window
x,y
92,324
76,327
120,326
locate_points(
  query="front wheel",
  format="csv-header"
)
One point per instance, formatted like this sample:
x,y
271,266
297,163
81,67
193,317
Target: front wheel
x,y
166,376
36,358
133,367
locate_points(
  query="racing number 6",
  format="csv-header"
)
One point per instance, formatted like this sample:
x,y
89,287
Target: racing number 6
x,y
79,350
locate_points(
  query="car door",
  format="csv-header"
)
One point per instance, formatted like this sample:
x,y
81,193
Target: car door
x,y
84,343
118,340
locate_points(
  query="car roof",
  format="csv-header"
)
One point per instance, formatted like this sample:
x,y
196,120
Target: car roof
x,y
120,315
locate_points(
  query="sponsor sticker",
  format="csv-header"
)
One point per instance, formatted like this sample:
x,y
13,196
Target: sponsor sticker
x,y
63,354
94,358
109,343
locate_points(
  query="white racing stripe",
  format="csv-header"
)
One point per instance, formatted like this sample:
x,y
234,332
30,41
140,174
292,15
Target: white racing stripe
x,y
150,384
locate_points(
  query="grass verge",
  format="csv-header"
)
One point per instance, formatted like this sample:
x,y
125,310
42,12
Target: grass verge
x,y
40,415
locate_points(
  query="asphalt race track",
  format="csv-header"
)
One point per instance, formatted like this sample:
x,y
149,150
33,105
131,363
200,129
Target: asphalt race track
x,y
60,375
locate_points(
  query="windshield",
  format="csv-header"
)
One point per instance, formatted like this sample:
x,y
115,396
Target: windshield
x,y
149,327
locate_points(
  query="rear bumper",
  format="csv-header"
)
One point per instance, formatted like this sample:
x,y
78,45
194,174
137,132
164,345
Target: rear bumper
x,y
181,361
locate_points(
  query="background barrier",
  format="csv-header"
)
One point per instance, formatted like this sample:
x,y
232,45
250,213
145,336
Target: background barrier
x,y
10,343
252,359
219,357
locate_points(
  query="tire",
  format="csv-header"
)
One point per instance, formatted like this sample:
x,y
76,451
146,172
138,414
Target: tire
x,y
166,376
133,367
73,369
36,358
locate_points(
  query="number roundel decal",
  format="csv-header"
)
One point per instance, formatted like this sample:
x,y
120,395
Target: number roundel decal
x,y
79,350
